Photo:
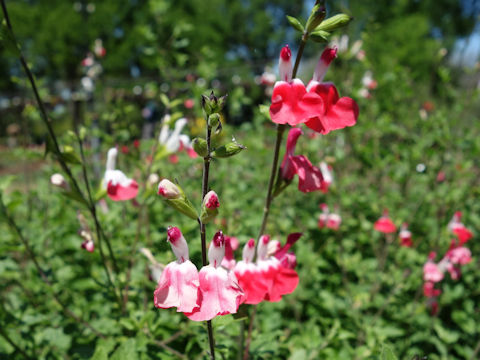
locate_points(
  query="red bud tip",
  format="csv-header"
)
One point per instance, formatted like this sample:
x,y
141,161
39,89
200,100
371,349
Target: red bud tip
x,y
458,214
219,239
329,54
286,53
265,239
212,202
173,234
251,243
432,255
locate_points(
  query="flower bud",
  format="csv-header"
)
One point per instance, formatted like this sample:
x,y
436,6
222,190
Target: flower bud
x,y
316,17
169,190
227,150
334,22
211,104
249,251
58,180
200,146
88,245
285,64
153,179
213,120
209,207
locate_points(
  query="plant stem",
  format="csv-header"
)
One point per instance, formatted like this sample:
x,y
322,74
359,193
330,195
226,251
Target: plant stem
x,y
206,170
299,55
246,352
273,173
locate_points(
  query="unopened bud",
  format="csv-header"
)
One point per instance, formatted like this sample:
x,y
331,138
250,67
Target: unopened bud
x,y
210,207
227,150
285,64
153,179
58,180
169,190
213,120
334,22
216,252
200,146
88,245
211,104
316,17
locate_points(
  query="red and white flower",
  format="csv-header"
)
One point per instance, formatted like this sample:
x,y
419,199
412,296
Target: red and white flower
x,y
385,224
179,283
119,187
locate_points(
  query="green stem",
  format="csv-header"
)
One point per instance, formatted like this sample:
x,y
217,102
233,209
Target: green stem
x,y
206,171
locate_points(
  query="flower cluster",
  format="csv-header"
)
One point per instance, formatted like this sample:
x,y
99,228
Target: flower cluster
x,y
456,256
329,220
318,106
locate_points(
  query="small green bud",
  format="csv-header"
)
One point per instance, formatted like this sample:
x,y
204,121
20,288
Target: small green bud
x,y
211,104
316,17
227,150
334,22
213,120
200,146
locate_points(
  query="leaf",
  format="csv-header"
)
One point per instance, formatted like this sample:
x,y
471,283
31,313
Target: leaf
x,y
103,348
126,351
297,25
387,353
319,36
69,156
334,22
74,195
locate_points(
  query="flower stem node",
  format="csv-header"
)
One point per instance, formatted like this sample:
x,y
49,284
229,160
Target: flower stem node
x,y
176,198
209,207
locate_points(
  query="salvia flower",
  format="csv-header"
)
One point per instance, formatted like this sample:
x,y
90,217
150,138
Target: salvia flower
x,y
178,285
119,187
310,178
220,293
405,236
335,112
173,140
323,217
384,224
291,104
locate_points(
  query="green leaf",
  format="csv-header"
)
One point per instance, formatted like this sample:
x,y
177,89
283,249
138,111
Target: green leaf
x,y
387,353
103,348
74,195
126,351
297,25
319,36
69,156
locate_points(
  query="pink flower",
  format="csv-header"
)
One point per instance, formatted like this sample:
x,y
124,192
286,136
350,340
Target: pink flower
x,y
231,244
459,255
384,224
310,178
326,171
248,274
454,271
335,112
118,186
291,104
189,103
431,272
220,293
405,236
322,219
279,279
88,245
456,226
334,221
179,283
429,289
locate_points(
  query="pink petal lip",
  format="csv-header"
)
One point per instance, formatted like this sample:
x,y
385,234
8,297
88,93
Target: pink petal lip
x,y
178,287
122,193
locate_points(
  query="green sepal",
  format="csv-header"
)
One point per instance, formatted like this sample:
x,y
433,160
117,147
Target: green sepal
x,y
208,215
227,150
296,24
335,22
68,155
184,206
200,146
319,36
